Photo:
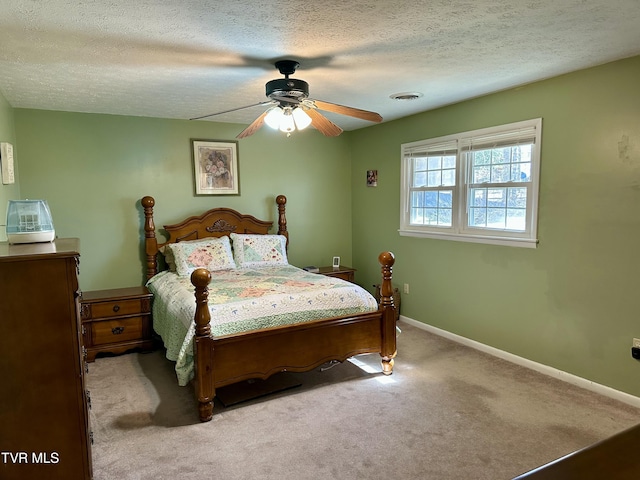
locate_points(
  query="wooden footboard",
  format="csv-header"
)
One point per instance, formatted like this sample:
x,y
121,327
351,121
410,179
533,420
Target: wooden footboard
x,y
229,359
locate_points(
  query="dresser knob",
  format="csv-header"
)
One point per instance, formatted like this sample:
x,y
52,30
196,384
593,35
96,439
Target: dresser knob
x,y
117,330
116,308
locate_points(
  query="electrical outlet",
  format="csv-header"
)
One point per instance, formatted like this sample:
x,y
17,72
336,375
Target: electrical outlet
x,y
636,343
406,290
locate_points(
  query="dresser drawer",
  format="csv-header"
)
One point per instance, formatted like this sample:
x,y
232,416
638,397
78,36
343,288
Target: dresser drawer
x,y
115,308
116,331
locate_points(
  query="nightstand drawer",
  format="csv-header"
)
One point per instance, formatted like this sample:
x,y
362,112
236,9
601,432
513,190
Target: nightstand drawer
x,y
348,276
345,273
116,331
116,321
115,308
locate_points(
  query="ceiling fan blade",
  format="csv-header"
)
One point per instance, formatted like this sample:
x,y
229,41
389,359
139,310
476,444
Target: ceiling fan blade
x,y
350,111
254,127
259,104
322,123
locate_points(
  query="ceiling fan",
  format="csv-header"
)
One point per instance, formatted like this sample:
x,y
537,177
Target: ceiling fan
x,y
291,107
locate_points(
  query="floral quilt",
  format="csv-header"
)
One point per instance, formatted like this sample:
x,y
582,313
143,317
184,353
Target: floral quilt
x,y
246,299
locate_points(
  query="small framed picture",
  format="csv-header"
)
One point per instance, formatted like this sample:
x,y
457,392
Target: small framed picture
x,y
215,167
372,178
336,262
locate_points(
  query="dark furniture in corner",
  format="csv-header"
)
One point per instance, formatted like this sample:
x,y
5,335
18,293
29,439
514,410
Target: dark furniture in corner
x,y
44,418
614,458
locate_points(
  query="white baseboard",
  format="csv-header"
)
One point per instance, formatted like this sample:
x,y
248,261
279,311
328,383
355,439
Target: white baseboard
x,y
538,367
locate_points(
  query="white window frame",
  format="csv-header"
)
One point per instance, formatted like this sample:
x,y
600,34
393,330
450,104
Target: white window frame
x,y
460,145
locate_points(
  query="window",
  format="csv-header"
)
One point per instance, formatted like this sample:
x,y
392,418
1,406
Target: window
x,y
479,186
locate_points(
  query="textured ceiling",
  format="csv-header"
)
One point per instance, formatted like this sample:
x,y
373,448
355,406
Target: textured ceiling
x,y
185,58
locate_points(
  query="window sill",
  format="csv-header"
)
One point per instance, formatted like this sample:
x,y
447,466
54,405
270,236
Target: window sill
x,y
490,240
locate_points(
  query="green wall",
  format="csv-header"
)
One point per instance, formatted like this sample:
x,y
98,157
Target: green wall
x,y
11,191
94,169
573,302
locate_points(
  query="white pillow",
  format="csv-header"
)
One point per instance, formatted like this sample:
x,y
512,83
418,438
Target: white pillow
x,y
210,253
259,250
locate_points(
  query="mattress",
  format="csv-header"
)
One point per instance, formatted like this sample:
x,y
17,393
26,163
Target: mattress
x,y
246,299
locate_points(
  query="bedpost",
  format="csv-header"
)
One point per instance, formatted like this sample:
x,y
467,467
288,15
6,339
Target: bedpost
x,y
281,200
150,241
203,346
388,352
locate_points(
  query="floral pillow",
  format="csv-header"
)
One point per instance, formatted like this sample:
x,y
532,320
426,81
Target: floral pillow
x,y
259,250
210,253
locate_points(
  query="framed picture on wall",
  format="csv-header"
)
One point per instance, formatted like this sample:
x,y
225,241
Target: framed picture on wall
x,y
372,178
215,167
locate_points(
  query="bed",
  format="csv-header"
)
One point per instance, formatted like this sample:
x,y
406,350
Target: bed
x,y
205,316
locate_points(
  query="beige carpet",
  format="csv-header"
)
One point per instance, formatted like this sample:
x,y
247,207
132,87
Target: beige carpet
x,y
447,412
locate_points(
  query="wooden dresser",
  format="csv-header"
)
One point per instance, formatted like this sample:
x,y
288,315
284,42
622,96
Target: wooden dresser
x,y
44,419
116,320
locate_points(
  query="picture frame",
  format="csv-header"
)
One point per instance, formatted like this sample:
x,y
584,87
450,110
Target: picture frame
x,y
372,178
336,262
215,167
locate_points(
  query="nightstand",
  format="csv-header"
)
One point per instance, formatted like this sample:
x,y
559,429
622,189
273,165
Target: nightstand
x,y
345,273
117,320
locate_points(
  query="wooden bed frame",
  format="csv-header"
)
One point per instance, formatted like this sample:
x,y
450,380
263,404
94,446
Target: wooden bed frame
x,y
221,361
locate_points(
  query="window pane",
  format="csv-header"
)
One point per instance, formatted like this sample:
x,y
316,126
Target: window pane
x,y
435,163
481,174
479,197
517,197
521,172
448,177
497,197
477,217
420,163
501,155
431,199
524,153
431,216
496,218
516,218
420,179
500,173
449,161
435,178
481,157
445,199
431,208
444,217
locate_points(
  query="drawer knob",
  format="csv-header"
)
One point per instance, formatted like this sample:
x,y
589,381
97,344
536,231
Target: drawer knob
x,y
117,330
116,308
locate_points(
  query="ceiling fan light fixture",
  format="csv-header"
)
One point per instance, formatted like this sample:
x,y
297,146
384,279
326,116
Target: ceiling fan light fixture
x,y
272,119
287,119
301,118
287,124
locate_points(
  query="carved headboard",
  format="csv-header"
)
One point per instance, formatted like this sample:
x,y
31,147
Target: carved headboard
x,y
212,223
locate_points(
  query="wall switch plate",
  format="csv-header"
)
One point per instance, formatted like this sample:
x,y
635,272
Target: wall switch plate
x,y
6,159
